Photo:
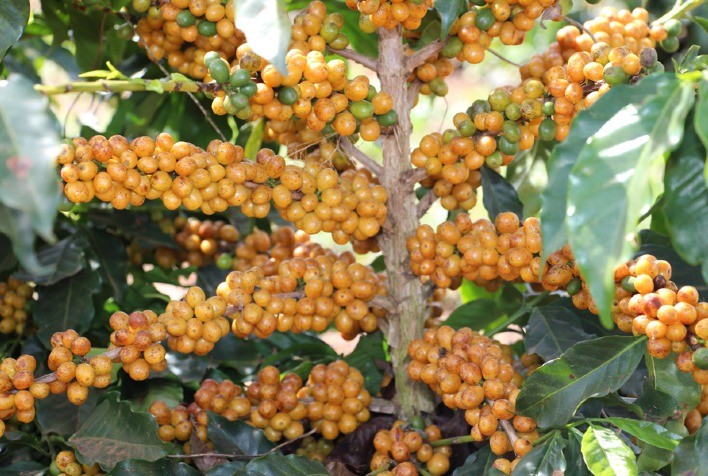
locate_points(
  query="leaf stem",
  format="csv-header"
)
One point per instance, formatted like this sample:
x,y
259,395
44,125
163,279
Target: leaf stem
x,y
678,10
455,440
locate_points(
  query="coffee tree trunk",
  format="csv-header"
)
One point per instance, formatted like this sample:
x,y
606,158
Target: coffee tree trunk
x,y
404,289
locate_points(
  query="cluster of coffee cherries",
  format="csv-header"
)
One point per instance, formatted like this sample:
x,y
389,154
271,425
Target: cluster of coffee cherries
x,y
67,465
694,418
18,389
333,401
474,373
184,31
224,398
14,297
488,253
315,449
307,292
390,13
337,400
200,243
137,337
351,206
402,450
648,303
432,74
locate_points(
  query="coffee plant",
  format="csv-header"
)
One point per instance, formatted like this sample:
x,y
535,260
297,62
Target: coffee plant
x,y
224,250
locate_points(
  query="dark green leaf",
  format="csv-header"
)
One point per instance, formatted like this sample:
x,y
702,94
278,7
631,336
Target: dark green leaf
x,y
665,377
209,277
573,455
691,454
161,467
448,14
29,142
476,464
529,175
606,454
66,305
552,330
593,368
64,259
545,459
368,353
258,20
236,437
110,252
56,414
646,431
167,391
498,195
616,179
555,196
7,258
476,314
277,464
24,468
226,469
13,18
686,201
115,433
378,264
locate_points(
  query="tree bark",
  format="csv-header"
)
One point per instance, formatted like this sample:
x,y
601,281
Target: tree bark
x,y
404,289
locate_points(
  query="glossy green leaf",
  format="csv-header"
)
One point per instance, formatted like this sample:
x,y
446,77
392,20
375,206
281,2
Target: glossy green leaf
x,y
261,19
476,314
553,393
529,175
167,391
7,257
686,201
173,467
226,469
477,464
115,433
498,195
109,251
65,258
56,414
691,454
606,454
646,431
554,198
448,11
66,305
552,330
13,19
369,357
29,187
236,437
277,464
575,465
666,378
24,468
545,459
615,181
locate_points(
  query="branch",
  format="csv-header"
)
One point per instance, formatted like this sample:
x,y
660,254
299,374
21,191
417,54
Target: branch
x,y
503,58
507,426
383,302
359,156
352,55
580,27
124,85
413,176
420,56
425,203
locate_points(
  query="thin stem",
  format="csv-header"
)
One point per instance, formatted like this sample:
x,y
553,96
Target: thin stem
x,y
413,176
358,155
678,10
127,85
503,58
357,57
379,470
425,203
420,56
581,27
48,378
455,440
544,438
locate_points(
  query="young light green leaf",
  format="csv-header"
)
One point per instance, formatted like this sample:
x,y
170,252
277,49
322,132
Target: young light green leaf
x,y
646,431
593,368
115,433
606,454
616,179
554,198
255,140
13,19
552,330
545,459
267,28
